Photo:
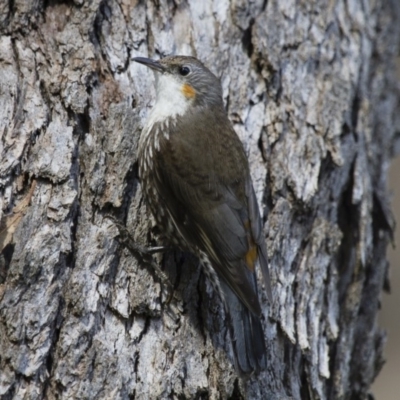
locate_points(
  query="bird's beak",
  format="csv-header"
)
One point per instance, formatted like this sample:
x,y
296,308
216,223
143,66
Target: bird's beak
x,y
148,62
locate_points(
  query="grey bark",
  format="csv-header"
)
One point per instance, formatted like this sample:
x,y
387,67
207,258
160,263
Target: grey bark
x,y
311,89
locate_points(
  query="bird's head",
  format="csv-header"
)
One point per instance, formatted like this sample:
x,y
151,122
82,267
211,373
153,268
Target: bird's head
x,y
184,81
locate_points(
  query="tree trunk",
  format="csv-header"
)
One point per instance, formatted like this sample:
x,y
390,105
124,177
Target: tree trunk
x,y
312,92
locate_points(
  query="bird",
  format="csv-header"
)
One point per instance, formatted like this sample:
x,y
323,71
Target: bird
x,y
196,181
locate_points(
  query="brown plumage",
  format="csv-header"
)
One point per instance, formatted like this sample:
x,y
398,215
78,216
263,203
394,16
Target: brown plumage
x,y
196,179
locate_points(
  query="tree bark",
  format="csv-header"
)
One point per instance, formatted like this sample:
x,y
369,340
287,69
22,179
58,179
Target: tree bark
x,y
312,92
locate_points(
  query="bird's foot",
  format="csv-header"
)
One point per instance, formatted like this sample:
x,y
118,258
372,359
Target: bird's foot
x,y
145,254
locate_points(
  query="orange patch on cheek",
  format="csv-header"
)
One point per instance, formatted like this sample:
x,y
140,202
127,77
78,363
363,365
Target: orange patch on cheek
x,y
188,91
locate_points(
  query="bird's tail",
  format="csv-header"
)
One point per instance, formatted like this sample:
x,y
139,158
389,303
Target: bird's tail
x,y
247,335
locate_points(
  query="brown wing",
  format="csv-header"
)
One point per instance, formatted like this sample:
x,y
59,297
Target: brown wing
x,y
202,175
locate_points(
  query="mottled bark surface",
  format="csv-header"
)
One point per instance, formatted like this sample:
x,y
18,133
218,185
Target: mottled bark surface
x,y
310,87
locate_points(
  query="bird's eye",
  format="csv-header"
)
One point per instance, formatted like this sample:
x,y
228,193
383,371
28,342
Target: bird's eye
x,y
184,70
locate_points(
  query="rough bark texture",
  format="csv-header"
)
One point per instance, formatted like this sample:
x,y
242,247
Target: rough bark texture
x,y
310,87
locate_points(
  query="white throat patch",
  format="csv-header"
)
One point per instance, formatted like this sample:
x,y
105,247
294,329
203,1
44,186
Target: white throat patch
x,y
170,101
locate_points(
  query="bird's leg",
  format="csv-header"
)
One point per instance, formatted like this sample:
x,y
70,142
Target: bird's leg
x,y
145,254
156,249
130,242
137,250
